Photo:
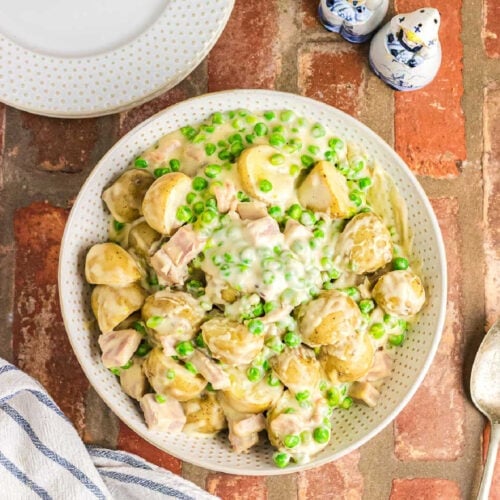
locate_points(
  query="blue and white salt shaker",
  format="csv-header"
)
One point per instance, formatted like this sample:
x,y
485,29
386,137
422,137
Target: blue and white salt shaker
x,y
406,53
355,20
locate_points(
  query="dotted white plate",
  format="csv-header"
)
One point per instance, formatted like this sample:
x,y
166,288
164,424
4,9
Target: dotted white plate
x,y
90,58
88,224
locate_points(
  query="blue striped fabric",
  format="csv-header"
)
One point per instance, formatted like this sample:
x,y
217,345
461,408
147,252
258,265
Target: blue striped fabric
x,y
42,456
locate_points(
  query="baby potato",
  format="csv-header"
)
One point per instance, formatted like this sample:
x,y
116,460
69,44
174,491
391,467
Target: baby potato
x,y
365,245
177,317
325,190
141,238
168,376
112,305
124,197
250,397
350,363
162,200
204,415
330,319
263,180
400,293
297,368
109,264
231,342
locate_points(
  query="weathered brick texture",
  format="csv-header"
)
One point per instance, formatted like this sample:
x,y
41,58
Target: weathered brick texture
x,y
491,28
425,489
229,487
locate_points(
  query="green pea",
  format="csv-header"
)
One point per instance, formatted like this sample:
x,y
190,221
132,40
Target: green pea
x,y
190,197
260,129
294,211
275,212
170,374
160,399
255,326
289,410
265,186
209,387
242,196
333,396
225,155
198,207
291,339
217,118
269,115
251,119
118,226
154,321
275,344
294,169
402,325
138,326
159,172
141,162
211,203
366,305
210,149
317,130
278,129
277,159
153,279
184,213
273,381
209,129
235,138
250,138
143,349
346,403
328,286
212,170
238,124
291,440
199,341
281,459
330,155
314,150
334,274
321,435
377,330
184,348
188,132
364,183
400,263
307,161
355,198
127,365
396,340
277,140
302,396
336,144
190,367
254,374
175,165
307,218
286,115
115,371
199,183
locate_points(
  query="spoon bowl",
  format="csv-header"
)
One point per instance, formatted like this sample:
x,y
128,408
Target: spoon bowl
x,y
485,393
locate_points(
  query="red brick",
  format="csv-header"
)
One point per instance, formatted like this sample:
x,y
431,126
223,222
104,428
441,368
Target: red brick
x,y
495,485
309,13
129,119
341,480
229,487
247,54
40,343
491,28
491,173
2,140
431,427
335,77
429,123
425,489
61,145
129,441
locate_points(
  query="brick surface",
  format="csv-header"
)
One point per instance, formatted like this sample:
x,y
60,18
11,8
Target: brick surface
x,y
429,123
247,55
341,480
334,76
229,487
60,145
491,30
495,484
129,441
2,140
491,172
431,427
309,14
425,489
129,119
41,346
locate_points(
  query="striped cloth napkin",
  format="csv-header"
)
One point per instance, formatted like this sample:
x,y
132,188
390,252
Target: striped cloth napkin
x,y
42,456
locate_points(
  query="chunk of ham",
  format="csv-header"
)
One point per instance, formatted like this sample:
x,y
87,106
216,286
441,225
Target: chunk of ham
x,y
165,148
364,391
263,231
118,346
295,231
133,381
244,428
170,261
210,370
163,417
252,210
381,367
225,196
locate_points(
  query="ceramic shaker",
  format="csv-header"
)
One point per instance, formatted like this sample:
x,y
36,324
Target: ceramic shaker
x,y
406,53
355,20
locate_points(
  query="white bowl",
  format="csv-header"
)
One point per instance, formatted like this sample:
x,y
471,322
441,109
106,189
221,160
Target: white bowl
x,y
88,224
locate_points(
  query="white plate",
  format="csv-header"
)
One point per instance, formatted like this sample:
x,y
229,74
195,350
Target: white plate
x,y
95,57
88,224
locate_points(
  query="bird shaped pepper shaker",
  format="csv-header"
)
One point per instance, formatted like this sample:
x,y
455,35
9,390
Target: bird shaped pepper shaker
x,y
355,20
406,53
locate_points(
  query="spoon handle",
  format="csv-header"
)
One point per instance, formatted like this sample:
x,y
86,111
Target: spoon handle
x,y
489,465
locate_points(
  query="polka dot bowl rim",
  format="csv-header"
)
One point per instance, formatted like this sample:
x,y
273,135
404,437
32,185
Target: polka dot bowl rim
x,y
88,223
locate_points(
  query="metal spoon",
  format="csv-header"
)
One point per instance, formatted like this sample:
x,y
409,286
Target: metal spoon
x,y
485,393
